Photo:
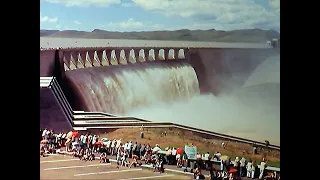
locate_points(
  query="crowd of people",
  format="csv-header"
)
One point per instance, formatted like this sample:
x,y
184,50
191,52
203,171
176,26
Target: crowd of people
x,y
87,146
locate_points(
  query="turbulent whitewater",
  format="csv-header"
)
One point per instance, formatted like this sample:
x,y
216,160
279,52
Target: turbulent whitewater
x,y
120,89
251,111
169,92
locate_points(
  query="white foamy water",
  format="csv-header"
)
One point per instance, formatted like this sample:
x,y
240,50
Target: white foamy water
x,y
251,112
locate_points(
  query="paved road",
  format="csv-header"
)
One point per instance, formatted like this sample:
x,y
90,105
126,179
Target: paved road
x,y
66,167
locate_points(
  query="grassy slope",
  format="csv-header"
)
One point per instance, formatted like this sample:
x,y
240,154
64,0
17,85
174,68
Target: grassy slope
x,y
178,138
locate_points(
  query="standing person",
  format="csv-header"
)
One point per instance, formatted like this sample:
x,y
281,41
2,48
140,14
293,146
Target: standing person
x,y
199,160
249,169
236,165
108,146
168,156
93,142
174,153
138,150
129,148
89,140
125,146
134,148
207,159
142,150
84,139
148,147
112,146
262,168
253,170
44,132
119,144
242,166
217,156
228,164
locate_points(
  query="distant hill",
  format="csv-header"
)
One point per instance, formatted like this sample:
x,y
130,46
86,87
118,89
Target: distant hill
x,y
245,35
47,32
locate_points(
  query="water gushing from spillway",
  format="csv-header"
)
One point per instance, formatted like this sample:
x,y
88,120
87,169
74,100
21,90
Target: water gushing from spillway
x,y
119,89
251,111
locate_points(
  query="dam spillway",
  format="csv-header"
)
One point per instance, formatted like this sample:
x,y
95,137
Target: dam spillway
x,y
116,79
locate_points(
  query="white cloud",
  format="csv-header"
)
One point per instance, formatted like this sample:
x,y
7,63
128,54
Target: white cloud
x,y
275,4
84,3
227,14
134,25
46,19
194,14
127,4
130,24
77,22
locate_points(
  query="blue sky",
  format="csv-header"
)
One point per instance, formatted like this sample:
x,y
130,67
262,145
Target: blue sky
x,y
147,15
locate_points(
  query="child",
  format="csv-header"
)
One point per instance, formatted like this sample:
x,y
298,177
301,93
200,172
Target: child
x,y
158,166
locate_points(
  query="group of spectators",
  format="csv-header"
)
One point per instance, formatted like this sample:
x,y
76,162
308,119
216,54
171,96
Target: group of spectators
x,y
220,167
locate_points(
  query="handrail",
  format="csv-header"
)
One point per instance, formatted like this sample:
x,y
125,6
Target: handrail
x,y
62,103
64,99
107,115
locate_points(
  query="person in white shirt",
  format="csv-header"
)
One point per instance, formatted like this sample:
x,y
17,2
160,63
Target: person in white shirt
x,y
249,169
113,152
44,132
81,137
63,138
179,161
174,151
108,143
262,168
58,139
93,142
64,135
217,156
84,139
242,166
207,159
125,146
128,149
118,144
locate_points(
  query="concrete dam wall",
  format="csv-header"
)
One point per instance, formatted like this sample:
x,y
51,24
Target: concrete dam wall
x,y
216,68
119,80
